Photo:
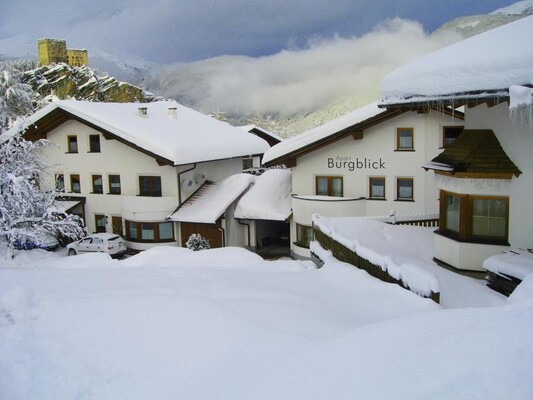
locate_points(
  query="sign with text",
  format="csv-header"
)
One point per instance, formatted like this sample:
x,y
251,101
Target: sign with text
x,y
346,162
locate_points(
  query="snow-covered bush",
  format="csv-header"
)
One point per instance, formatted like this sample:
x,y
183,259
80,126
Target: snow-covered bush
x,y
197,242
27,209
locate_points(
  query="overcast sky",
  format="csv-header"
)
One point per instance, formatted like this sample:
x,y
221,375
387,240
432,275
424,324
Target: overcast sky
x,y
170,31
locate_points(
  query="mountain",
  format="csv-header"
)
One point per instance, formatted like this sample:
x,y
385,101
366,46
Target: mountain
x,y
476,24
82,83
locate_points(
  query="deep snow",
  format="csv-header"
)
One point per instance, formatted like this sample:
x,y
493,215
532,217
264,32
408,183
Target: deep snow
x,y
171,323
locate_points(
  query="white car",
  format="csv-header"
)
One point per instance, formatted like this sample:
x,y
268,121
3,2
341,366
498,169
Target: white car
x,y
99,242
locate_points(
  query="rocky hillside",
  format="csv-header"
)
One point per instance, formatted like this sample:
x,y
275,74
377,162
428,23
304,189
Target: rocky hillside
x,y
81,83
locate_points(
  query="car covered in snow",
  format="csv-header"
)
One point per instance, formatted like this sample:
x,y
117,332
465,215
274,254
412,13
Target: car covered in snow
x,y
45,242
109,243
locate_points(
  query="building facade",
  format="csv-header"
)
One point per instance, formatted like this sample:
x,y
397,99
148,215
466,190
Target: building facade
x,y
367,163
129,166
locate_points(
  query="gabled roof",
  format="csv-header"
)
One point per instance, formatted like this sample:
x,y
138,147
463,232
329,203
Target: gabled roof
x,y
475,152
351,124
269,198
475,70
212,203
168,131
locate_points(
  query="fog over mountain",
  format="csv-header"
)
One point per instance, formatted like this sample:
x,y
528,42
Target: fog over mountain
x,y
300,88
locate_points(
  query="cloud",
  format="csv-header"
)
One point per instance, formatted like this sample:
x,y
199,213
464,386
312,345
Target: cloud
x,y
165,31
297,80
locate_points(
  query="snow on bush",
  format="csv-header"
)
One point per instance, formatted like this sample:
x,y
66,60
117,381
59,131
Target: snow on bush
x,y
197,242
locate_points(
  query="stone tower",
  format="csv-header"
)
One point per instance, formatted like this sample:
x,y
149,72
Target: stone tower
x,y
51,51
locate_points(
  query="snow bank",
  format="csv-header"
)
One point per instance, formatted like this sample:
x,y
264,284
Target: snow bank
x,y
417,279
259,331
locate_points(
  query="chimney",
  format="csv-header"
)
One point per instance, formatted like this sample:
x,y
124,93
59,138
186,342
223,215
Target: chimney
x,y
143,111
172,112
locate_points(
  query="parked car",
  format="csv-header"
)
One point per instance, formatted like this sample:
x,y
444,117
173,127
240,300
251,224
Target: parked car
x,y
45,242
99,242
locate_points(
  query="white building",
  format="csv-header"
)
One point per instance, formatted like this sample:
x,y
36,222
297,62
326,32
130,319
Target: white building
x,y
365,163
486,179
129,166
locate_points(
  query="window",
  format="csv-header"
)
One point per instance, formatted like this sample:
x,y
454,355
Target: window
x,y
404,138
377,188
480,219
489,217
449,134
100,222
150,231
97,184
452,204
247,163
150,186
94,143
304,235
404,189
72,144
75,186
114,184
329,186
60,183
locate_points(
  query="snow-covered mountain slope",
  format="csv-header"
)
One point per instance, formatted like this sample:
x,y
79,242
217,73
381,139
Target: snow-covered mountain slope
x,y
475,24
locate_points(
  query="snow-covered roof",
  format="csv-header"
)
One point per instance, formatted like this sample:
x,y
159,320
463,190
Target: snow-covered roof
x,y
517,263
322,132
167,129
269,198
209,205
482,66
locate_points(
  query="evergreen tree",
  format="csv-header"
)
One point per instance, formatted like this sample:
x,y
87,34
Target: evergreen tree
x,y
27,209
197,242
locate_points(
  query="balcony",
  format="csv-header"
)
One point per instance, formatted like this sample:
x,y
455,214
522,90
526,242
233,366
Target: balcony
x,y
143,208
305,206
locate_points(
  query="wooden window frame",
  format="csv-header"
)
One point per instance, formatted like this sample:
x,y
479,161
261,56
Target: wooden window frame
x,y
330,179
370,194
92,148
465,233
97,190
155,229
398,135
72,139
110,186
449,127
98,229
151,184
398,197
300,242
72,178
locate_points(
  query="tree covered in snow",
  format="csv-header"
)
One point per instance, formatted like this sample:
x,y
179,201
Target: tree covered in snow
x,y
197,242
27,209
16,98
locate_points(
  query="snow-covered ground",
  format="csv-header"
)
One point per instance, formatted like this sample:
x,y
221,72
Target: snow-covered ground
x,y
170,323
399,246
